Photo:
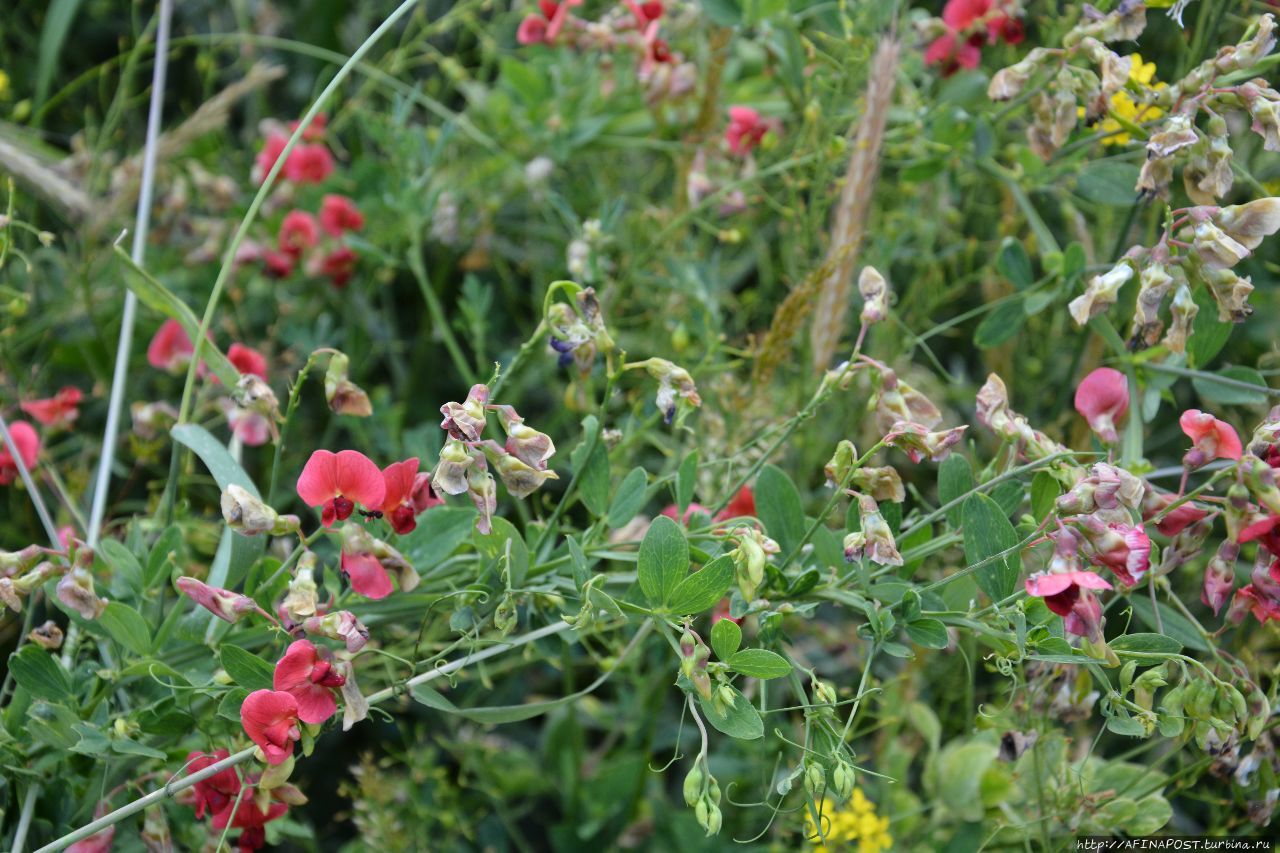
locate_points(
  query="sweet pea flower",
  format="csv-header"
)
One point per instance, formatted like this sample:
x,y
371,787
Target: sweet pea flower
x,y
398,506
76,591
424,497
1220,576
746,129
308,164
366,562
27,441
1102,399
342,625
339,266
1123,548
270,719
1210,438
524,442
1261,596
226,605
170,348
1061,591
338,214
247,360
1176,521
299,231
1265,531
251,818
645,13
58,411
742,504
315,131
215,794
338,481
272,148
309,676
277,264
544,29
99,842
465,421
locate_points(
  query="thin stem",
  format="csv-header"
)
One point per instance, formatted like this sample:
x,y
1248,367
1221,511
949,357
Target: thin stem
x,y
141,226
24,819
857,700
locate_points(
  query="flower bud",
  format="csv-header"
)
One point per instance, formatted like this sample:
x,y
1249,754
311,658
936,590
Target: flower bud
x,y
878,542
521,479
344,396
76,591
223,603
465,421
674,383
840,467
450,475
882,483
1100,293
302,596
342,625
815,779
823,693
875,295
842,779
253,393
249,515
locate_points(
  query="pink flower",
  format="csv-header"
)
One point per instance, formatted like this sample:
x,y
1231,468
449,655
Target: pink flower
x,y
1102,399
277,264
1266,531
27,441
672,512
1220,576
746,129
952,53
315,131
250,817
252,428
218,791
1123,548
969,24
532,30
1061,591
397,506
59,410
272,148
299,231
743,504
311,679
424,495
171,348
339,265
338,481
645,13
226,605
1175,522
1261,597
1210,438
367,576
270,719
544,30
247,360
339,213
308,164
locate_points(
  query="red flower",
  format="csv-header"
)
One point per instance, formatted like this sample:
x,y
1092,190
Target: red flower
x,y
743,503
339,265
1175,522
310,679
27,441
217,792
250,817
338,481
99,842
1102,399
1266,531
308,164
532,30
57,411
949,51
315,131
367,575
339,213
1123,548
746,129
1061,591
424,495
270,719
397,506
247,360
277,264
171,348
272,148
1210,438
959,47
645,13
298,232
543,30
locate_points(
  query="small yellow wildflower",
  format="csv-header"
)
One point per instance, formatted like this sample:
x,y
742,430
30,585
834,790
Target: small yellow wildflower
x,y
1123,105
4,86
855,823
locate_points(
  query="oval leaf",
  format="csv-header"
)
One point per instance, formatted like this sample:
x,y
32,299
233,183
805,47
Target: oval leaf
x,y
759,663
663,560
703,589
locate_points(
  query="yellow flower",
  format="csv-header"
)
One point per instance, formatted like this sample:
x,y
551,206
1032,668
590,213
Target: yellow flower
x,y
4,86
854,824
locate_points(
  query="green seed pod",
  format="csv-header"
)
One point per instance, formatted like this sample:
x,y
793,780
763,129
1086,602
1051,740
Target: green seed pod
x,y
815,779
702,812
693,784
713,790
714,821
842,780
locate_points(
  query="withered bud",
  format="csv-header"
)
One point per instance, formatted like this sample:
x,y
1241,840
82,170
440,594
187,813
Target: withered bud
x,y
344,396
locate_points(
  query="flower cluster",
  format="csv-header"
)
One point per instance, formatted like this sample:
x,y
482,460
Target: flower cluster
x,y
308,240
844,826
966,26
247,804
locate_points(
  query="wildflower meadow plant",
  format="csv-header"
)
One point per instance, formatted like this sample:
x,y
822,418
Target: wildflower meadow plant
x,y
672,425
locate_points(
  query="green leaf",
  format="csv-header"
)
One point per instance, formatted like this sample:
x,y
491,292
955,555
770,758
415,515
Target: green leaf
x,y
1045,490
1230,392
156,296
125,746
592,470
127,627
37,672
1208,334
960,769
123,567
1147,643
740,720
726,636
955,479
1174,624
725,13
1126,726
1014,263
229,704
215,457
929,633
686,480
1108,182
163,553
987,532
629,498
432,698
759,663
525,79
245,668
663,560
1001,325
703,589
58,19
505,542
779,507
437,536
